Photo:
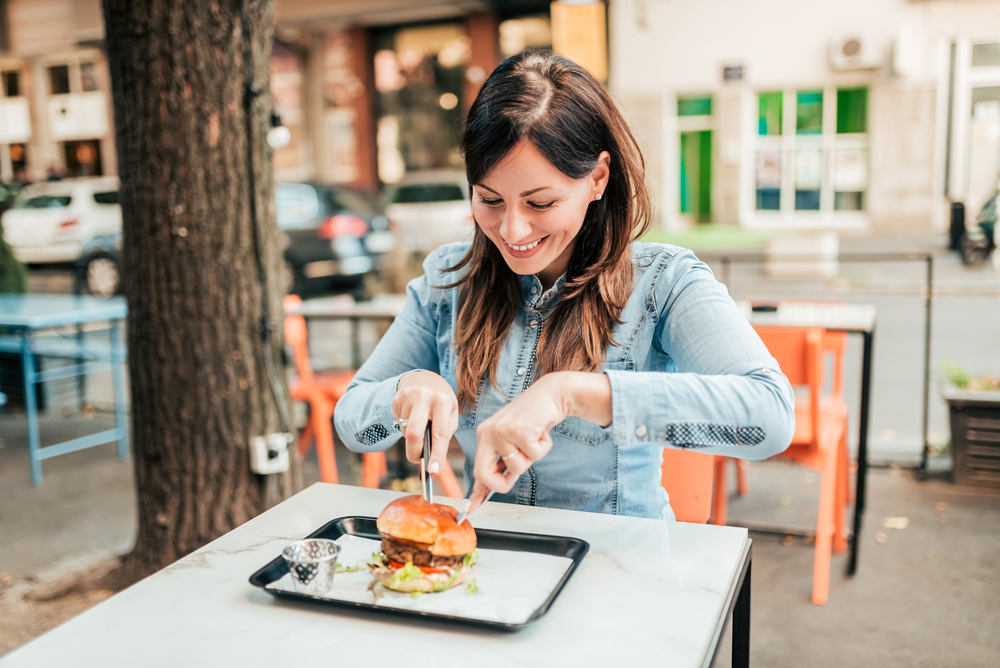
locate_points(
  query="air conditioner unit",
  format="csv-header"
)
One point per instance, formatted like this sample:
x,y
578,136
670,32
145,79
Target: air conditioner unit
x,y
856,52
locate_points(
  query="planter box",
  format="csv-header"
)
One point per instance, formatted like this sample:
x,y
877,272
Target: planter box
x,y
975,436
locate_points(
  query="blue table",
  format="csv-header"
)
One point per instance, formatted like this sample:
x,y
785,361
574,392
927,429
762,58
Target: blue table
x,y
25,317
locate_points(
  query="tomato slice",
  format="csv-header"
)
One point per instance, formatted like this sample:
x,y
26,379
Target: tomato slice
x,y
395,565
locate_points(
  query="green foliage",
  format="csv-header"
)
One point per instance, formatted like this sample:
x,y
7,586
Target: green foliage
x,y
13,275
957,376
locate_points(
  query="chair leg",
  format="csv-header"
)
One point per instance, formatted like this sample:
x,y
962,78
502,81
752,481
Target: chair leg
x,y
720,494
305,440
449,483
742,483
372,468
825,526
323,430
840,508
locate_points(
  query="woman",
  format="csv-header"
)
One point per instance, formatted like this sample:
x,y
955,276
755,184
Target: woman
x,y
562,354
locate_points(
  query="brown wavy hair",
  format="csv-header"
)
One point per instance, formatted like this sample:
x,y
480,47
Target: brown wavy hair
x,y
570,118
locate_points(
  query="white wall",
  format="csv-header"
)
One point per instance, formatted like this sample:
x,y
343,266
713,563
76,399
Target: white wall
x,y
663,48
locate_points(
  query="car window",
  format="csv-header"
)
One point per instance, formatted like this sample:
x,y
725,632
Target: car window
x,y
428,192
110,197
43,202
346,200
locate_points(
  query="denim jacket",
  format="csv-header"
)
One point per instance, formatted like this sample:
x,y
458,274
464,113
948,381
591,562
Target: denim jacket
x,y
686,371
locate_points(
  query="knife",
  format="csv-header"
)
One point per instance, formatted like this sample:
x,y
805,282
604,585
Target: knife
x,y
464,514
425,477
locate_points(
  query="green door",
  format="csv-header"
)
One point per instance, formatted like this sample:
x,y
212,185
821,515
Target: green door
x,y
696,174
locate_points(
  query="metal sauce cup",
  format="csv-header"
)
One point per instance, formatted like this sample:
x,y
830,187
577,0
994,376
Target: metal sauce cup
x,y
312,563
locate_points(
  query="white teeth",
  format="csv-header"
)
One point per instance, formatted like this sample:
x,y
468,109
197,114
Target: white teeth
x,y
524,248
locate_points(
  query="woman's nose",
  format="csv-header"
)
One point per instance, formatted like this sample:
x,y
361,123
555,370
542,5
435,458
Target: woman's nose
x,y
516,226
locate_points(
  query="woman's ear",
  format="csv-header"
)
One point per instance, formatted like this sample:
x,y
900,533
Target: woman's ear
x,y
601,174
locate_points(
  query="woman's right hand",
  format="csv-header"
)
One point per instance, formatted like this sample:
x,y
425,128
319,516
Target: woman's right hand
x,y
423,396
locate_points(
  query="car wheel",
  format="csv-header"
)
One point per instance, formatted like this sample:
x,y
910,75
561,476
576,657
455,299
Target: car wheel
x,y
103,276
974,249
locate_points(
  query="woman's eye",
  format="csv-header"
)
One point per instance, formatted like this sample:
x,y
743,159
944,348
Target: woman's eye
x,y
490,202
540,207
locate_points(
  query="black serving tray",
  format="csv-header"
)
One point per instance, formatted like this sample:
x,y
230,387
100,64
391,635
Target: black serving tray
x,y
488,539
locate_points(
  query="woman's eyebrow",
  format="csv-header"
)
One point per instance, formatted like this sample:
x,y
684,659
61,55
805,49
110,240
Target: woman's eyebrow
x,y
524,194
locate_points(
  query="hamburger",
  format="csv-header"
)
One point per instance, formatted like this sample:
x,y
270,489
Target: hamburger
x,y
423,548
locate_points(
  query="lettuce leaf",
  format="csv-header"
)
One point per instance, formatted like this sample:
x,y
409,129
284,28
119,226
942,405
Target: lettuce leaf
x,y
471,558
472,588
405,574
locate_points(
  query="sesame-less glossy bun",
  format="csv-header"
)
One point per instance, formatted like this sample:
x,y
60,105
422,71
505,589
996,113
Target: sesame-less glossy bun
x,y
413,519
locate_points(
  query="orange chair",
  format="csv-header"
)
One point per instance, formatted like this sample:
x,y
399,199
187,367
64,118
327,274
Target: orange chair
x,y
687,477
322,391
820,439
720,502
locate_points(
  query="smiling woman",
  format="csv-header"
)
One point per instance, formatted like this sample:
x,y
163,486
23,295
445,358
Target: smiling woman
x,y
562,354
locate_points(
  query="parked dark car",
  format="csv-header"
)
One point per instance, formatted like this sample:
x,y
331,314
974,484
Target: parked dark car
x,y
98,270
335,237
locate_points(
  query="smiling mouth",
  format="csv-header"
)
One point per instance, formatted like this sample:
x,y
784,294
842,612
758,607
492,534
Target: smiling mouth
x,y
525,247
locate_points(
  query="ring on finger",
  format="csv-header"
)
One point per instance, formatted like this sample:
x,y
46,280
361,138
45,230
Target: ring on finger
x,y
403,422
511,455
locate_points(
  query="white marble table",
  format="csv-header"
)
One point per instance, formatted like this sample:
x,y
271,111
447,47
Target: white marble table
x,y
647,592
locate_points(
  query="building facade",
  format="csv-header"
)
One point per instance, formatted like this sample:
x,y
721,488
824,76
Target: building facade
x,y
869,115
55,104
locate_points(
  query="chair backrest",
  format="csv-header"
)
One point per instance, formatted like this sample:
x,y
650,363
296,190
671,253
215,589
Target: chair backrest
x,y
835,343
799,352
687,477
296,338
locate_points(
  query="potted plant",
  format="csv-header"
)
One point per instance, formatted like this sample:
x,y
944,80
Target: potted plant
x,y
974,409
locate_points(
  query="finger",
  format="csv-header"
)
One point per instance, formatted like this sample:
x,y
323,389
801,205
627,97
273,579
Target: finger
x,y
516,465
491,474
478,496
440,435
414,430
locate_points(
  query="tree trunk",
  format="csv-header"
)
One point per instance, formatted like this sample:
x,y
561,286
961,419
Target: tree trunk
x,y
200,389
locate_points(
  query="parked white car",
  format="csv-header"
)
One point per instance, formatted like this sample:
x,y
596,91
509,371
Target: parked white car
x,y
427,209
54,221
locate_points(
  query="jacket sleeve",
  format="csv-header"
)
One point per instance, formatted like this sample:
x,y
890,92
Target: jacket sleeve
x,y
363,416
725,394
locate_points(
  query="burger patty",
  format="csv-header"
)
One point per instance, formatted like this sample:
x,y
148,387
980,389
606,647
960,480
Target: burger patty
x,y
403,551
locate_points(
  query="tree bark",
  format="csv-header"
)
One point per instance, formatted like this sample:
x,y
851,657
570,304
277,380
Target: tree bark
x,y
200,390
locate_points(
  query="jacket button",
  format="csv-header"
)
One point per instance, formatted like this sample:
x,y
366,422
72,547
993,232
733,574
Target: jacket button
x,y
533,323
534,290
766,372
520,372
640,431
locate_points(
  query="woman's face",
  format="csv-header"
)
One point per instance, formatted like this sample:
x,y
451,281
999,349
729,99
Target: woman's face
x,y
533,212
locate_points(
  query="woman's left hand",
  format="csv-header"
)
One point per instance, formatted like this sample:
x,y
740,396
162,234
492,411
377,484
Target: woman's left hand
x,y
519,435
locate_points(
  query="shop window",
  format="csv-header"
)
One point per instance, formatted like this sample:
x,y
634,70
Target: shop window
x,y
768,180
530,32
59,80
809,112
852,110
986,55
10,83
808,178
694,106
769,115
88,77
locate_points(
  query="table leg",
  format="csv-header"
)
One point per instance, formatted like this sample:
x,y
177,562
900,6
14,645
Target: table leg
x,y
81,380
118,372
34,445
356,342
741,622
859,488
